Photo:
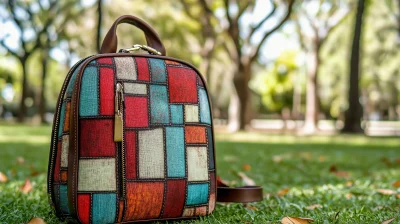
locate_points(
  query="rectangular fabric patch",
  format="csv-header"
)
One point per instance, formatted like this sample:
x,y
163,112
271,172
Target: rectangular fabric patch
x,y
182,85
126,68
201,211
96,175
64,176
62,119
89,96
64,151
135,88
84,207
211,202
151,153
130,151
66,119
211,162
176,114
104,208
72,82
144,200
106,61
205,116
191,113
157,69
159,104
96,138
106,91
136,113
197,163
175,151
175,200
64,198
57,166
188,212
195,134
197,194
143,69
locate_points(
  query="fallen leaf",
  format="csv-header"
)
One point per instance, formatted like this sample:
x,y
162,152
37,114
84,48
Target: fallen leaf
x,y
3,178
251,207
312,207
27,187
333,169
246,167
396,184
20,160
321,158
277,159
397,160
387,191
388,221
342,174
36,221
296,220
34,173
349,195
348,184
246,180
283,192
386,161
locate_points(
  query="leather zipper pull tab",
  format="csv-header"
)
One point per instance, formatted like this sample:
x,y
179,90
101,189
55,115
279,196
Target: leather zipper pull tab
x,y
119,113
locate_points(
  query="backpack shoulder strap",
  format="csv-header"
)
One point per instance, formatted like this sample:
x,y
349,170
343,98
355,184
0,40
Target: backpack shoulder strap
x,y
238,194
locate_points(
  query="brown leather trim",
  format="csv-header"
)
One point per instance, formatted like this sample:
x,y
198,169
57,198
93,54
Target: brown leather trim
x,y
74,126
240,194
110,42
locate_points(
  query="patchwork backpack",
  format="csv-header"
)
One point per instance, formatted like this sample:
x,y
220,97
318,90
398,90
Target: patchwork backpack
x,y
133,139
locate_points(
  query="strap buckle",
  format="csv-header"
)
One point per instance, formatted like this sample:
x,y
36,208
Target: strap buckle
x,y
137,47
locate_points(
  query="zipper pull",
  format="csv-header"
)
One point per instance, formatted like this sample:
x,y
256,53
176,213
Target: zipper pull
x,y
119,113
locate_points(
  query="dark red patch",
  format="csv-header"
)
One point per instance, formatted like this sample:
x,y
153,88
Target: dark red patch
x,y
212,182
106,91
57,167
96,138
175,199
130,150
182,85
143,69
136,112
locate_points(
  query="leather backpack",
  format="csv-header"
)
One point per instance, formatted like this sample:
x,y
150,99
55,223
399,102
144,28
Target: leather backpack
x,y
133,138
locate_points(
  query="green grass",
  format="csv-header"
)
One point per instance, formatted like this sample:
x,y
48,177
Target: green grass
x,y
277,162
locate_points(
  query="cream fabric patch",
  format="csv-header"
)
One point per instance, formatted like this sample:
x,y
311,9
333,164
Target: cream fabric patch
x,y
96,175
197,163
126,68
64,151
151,153
191,113
135,88
188,212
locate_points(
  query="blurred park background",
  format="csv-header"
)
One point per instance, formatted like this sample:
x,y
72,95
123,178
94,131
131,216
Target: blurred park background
x,y
305,96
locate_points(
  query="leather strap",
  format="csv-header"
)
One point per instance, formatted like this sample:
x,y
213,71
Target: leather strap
x,y
238,194
110,42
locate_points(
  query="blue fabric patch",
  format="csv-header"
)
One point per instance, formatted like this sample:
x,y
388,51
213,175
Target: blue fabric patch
x,y
104,208
62,118
210,147
205,116
157,69
64,198
197,194
88,104
92,62
176,114
71,82
175,137
159,104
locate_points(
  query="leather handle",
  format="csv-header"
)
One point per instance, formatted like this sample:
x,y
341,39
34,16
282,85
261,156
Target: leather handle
x,y
110,41
243,194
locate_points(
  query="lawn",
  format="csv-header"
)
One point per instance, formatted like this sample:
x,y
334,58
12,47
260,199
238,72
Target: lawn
x,y
339,175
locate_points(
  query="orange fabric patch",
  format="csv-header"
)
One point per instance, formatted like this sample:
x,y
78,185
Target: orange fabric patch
x,y
171,62
121,210
195,134
201,211
144,200
67,113
64,176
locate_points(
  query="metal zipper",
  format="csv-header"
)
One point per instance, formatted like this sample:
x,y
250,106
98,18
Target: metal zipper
x,y
119,132
55,130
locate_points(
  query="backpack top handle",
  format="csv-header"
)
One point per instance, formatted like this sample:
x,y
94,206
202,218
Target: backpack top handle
x,y
110,41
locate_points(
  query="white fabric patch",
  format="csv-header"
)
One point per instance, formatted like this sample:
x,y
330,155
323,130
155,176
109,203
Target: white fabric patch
x,y
96,175
151,153
126,68
64,151
191,113
197,163
135,88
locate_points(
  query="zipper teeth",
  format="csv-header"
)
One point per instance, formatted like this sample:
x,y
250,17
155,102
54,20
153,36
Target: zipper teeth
x,y
122,143
55,135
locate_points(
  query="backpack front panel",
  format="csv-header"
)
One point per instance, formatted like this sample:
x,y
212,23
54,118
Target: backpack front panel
x,y
163,165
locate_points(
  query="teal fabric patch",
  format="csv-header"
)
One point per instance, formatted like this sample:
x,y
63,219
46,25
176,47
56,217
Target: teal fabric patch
x,y
176,114
157,69
104,208
175,138
71,82
88,104
64,198
197,194
62,118
93,62
205,116
159,104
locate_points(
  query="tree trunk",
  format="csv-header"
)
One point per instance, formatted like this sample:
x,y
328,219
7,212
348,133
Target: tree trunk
x,y
312,104
22,106
42,102
241,82
353,115
99,20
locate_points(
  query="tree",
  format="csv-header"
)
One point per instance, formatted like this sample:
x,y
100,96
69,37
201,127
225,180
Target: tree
x,y
353,115
313,28
99,22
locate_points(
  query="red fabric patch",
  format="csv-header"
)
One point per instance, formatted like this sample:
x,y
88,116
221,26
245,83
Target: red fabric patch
x,y
195,134
130,150
66,119
107,61
136,112
201,211
64,176
143,200
56,174
212,182
96,138
175,200
84,207
106,91
121,210
143,69
182,85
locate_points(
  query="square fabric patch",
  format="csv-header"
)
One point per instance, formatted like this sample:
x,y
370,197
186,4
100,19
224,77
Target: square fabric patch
x,y
182,85
191,113
126,68
97,138
197,194
97,175
197,163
